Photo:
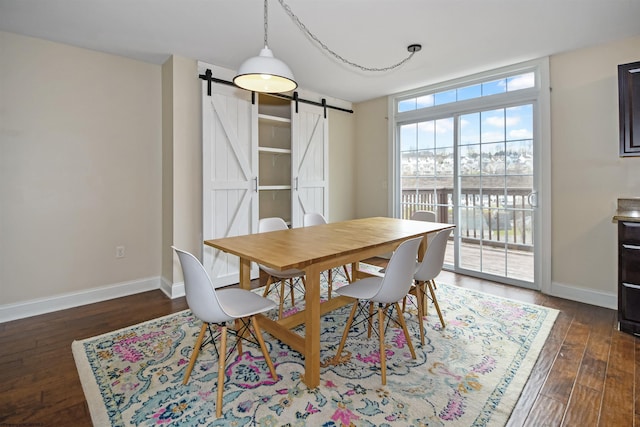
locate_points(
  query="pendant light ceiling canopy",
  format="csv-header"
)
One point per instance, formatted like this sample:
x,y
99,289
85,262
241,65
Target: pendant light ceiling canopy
x,y
265,73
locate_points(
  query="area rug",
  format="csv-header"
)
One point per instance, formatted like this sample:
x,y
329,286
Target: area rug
x,y
470,373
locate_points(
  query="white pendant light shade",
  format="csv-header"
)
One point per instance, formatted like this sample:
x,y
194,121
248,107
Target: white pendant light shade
x,y
264,73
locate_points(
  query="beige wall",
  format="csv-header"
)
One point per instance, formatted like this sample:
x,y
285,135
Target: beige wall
x,y
82,137
341,159
80,164
587,174
98,151
372,160
182,165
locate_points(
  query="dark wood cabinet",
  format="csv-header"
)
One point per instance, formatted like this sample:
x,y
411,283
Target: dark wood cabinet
x,y
629,108
629,276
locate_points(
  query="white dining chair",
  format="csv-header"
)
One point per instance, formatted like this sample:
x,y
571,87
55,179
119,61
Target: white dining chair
x,y
217,307
276,276
314,218
387,291
425,275
422,215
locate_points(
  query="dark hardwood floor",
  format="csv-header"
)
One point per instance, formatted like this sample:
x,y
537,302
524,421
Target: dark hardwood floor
x,y
585,376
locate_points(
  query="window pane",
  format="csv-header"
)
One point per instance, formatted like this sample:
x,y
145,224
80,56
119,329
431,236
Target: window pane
x,y
444,132
409,165
470,129
523,81
408,137
520,157
426,163
492,123
469,160
444,161
445,97
519,122
469,92
425,101
407,105
493,161
491,88
426,134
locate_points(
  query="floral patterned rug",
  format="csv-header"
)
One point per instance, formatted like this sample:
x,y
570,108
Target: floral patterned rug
x,y
470,373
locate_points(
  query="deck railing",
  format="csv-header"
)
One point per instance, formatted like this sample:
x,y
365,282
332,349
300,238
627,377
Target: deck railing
x,y
498,216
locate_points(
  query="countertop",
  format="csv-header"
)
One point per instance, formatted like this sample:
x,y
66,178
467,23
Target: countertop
x,y
628,210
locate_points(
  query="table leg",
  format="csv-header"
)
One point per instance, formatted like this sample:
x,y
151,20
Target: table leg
x,y
312,327
245,273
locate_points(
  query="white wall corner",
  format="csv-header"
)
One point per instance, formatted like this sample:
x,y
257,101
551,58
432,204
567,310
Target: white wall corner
x,y
172,290
39,306
587,296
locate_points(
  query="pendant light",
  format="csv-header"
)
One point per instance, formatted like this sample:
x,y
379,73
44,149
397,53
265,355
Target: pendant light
x,y
265,73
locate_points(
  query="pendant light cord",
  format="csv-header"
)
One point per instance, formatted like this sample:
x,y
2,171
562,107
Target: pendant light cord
x,y
412,48
266,25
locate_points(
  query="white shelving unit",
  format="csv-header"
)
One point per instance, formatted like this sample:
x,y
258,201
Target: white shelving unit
x,y
274,151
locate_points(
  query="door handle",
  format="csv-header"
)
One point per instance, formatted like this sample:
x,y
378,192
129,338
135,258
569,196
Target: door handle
x,y
532,199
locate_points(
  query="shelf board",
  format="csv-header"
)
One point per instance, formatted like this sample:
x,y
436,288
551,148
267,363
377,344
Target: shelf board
x,y
274,187
274,150
276,119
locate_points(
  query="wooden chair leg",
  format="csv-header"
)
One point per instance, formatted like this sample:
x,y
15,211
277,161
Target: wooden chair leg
x,y
405,330
195,352
383,350
291,289
330,284
420,300
238,326
263,347
370,320
221,366
267,287
435,303
346,329
281,298
346,273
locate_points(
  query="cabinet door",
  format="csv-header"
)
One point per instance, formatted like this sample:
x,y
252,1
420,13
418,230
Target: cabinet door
x,y
309,162
229,170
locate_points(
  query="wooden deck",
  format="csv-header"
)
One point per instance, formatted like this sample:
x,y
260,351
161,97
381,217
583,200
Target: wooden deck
x,y
519,264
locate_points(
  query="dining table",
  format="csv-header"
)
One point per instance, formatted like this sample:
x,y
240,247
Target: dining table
x,y
315,249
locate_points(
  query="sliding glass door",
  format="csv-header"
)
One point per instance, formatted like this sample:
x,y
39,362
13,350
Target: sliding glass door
x,y
495,193
469,154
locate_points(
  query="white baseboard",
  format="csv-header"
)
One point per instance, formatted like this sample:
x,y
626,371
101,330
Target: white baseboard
x,y
599,298
35,307
172,290
38,306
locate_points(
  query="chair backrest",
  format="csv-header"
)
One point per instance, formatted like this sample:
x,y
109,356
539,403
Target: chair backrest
x,y
200,293
271,224
398,275
428,216
433,260
313,218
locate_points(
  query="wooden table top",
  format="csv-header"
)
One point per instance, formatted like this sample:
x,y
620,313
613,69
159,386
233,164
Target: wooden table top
x,y
303,246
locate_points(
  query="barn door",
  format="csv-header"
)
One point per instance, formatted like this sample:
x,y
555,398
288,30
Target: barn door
x,y
309,162
230,201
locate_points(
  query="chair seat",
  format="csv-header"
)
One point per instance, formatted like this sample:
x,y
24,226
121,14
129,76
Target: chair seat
x,y
284,274
361,289
242,303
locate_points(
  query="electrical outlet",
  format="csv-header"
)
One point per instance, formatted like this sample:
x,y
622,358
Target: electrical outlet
x,y
119,251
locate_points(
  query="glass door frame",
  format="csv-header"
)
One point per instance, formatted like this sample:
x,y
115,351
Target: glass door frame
x,y
539,97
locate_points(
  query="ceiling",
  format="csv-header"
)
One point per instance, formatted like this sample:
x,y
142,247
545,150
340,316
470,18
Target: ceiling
x,y
458,37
